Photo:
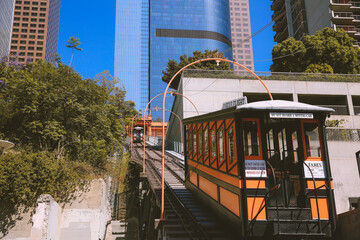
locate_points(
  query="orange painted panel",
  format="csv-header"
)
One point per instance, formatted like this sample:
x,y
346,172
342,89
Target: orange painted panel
x,y
230,201
193,178
219,175
323,208
254,206
255,183
318,183
208,187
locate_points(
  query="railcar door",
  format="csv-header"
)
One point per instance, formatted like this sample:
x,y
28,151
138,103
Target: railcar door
x,y
283,153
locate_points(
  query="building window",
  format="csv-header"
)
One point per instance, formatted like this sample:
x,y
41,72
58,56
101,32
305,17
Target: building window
x,y
24,30
42,15
40,31
40,42
17,13
25,14
15,30
41,20
22,42
31,42
43,4
15,35
23,36
27,3
43,9
21,59
26,8
34,20
16,19
34,14
34,8
13,47
24,25
39,49
40,37
32,36
35,3
25,19
33,25
41,26
22,48
32,31
16,24
18,2
31,48
14,41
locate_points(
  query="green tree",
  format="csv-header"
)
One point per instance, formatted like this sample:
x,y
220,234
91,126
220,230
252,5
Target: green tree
x,y
173,67
330,47
65,128
74,45
319,68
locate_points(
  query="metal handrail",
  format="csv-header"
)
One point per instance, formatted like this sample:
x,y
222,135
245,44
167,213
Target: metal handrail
x,y
275,187
316,198
252,223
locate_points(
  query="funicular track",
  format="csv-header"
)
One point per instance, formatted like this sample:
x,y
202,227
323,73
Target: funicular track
x,y
185,217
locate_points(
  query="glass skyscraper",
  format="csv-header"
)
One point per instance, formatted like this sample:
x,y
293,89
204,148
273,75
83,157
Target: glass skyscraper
x,y
149,33
6,21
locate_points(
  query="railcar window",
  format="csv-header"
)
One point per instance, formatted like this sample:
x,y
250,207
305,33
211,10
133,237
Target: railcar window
x,y
206,150
251,138
221,145
270,143
194,140
200,141
231,145
283,144
312,140
213,148
190,142
295,146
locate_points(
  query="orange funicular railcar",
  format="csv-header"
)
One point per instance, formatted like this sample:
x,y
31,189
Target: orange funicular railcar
x,y
263,168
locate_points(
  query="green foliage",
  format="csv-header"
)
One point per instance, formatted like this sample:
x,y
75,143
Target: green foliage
x,y
64,128
319,68
25,176
334,48
52,108
335,123
173,67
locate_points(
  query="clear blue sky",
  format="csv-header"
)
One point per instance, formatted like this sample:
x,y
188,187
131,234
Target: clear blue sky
x,y
94,23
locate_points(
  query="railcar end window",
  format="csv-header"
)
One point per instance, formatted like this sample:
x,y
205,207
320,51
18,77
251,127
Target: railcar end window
x,y
213,142
312,140
251,138
231,145
221,145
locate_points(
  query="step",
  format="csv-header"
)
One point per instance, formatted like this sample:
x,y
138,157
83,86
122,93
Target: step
x,y
295,227
289,213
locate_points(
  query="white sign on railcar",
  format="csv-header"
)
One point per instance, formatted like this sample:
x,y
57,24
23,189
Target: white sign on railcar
x,y
235,102
317,168
291,115
255,168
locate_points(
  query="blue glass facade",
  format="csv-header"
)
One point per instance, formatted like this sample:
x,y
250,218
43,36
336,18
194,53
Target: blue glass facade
x,y
177,27
132,49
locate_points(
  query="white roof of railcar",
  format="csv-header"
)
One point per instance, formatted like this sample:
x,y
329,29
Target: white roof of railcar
x,y
282,105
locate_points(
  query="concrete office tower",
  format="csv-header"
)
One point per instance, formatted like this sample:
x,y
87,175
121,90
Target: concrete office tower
x,y
6,21
149,33
35,29
240,31
296,18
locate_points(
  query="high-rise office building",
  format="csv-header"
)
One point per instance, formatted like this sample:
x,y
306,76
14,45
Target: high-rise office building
x,y
296,18
6,21
149,33
240,32
34,29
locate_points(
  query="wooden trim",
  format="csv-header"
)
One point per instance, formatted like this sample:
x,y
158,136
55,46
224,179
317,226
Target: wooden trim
x,y
323,208
254,205
230,201
255,184
219,175
208,187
